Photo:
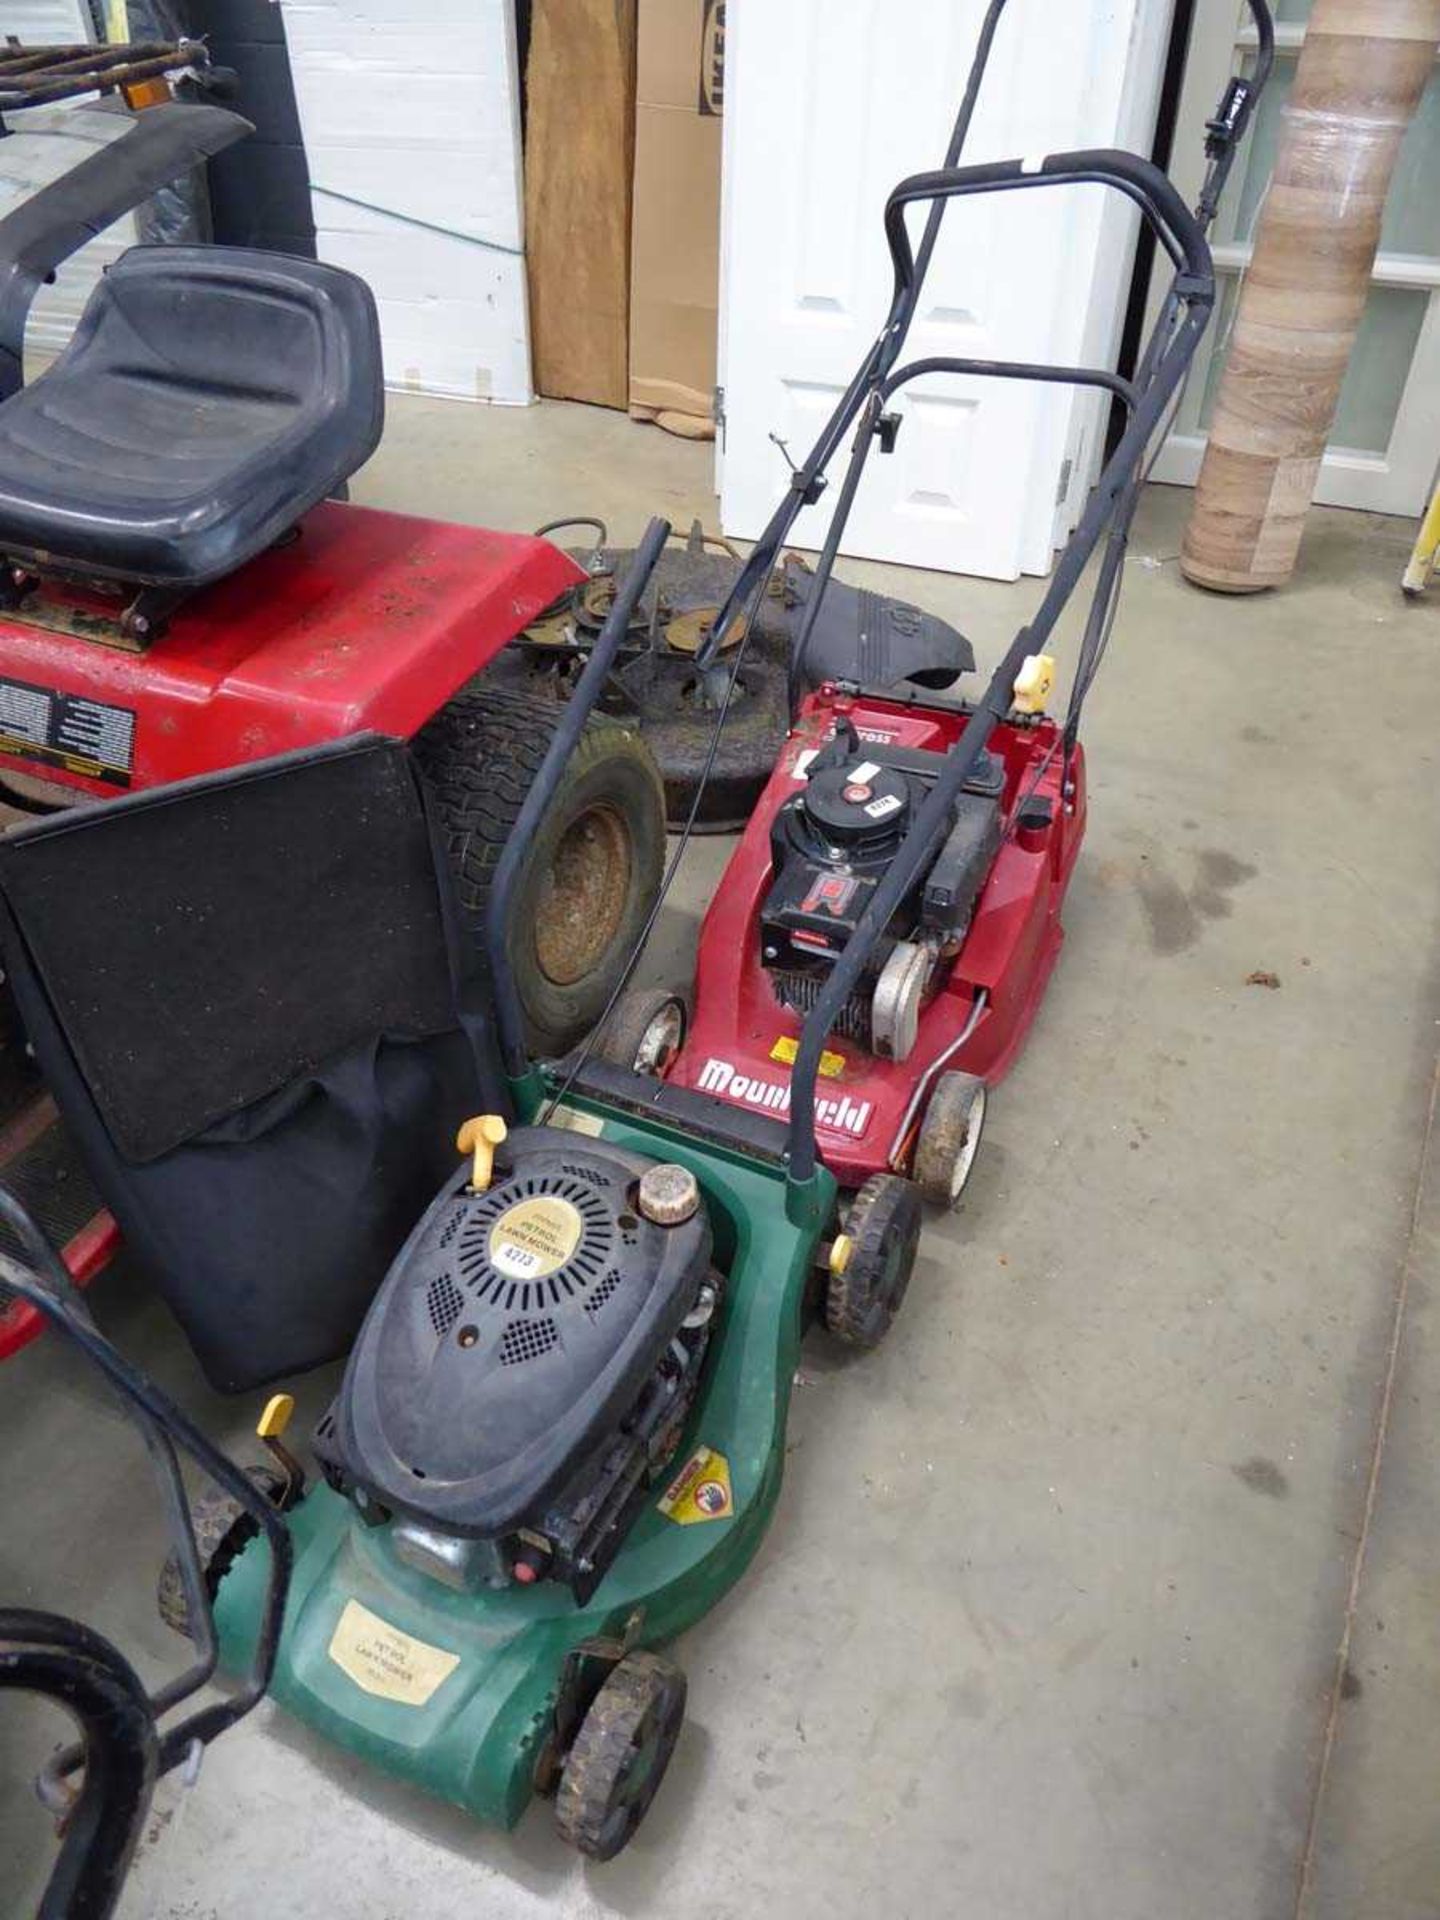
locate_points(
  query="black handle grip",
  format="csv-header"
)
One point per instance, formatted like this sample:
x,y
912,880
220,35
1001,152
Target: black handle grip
x,y
1177,229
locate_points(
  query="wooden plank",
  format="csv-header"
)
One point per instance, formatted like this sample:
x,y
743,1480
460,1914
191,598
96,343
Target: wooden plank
x,y
579,154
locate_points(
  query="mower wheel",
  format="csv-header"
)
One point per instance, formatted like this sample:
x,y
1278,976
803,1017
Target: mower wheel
x,y
867,1285
591,874
646,1030
222,1528
949,1138
620,1754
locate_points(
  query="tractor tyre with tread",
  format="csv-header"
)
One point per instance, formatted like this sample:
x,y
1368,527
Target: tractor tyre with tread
x,y
593,870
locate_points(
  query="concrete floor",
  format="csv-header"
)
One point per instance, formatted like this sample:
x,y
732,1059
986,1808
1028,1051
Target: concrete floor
x,y
1107,1587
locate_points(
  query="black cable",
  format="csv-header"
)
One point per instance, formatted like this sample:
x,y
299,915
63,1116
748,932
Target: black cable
x,y
576,520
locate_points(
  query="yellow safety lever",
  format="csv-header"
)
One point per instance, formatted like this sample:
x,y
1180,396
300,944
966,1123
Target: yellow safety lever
x,y
271,1429
480,1137
1034,683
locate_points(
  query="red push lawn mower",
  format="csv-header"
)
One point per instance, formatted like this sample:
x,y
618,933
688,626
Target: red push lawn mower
x,y
882,938
182,591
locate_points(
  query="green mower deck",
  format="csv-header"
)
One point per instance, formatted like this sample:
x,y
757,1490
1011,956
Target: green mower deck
x,y
456,1691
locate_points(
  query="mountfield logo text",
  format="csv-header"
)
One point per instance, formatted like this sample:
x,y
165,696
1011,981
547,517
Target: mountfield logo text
x,y
747,1090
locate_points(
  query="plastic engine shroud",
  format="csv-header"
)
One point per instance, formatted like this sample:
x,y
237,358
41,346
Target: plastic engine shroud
x,y
513,1334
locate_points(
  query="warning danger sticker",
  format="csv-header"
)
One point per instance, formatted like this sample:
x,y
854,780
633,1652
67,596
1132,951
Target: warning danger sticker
x,y
386,1662
57,729
700,1491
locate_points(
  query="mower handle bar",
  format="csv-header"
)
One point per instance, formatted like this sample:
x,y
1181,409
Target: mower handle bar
x,y
163,1426
69,1663
1176,228
1172,348
807,481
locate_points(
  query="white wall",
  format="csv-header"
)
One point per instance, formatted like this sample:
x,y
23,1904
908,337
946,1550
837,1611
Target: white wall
x,y
410,111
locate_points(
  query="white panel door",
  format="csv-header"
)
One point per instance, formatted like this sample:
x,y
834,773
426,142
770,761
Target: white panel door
x,y
829,105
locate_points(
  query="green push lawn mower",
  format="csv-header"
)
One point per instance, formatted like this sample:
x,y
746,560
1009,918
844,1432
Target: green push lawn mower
x,y
560,1434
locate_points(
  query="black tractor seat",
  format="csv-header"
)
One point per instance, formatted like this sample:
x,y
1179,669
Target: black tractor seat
x,y
210,396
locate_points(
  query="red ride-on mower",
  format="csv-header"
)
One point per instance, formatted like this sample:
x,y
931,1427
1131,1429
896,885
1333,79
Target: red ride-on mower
x,y
882,938
181,591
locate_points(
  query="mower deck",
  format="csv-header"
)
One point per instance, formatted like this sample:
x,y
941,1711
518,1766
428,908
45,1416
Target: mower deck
x,y
361,620
743,1038
457,1691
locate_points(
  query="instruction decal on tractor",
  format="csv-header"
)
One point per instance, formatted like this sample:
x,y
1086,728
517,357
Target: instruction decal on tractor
x,y
57,729
535,1238
386,1662
700,1491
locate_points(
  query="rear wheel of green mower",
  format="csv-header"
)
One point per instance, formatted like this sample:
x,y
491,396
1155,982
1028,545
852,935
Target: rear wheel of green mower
x,y
871,1260
592,871
620,1754
222,1527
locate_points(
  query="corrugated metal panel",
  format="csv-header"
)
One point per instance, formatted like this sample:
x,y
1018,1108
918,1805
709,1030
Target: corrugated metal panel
x,y
46,142
40,23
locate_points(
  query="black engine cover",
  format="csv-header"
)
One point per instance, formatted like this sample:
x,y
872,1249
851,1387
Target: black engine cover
x,y
513,1335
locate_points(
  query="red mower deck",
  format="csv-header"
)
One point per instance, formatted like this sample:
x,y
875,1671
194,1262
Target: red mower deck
x,y
868,1109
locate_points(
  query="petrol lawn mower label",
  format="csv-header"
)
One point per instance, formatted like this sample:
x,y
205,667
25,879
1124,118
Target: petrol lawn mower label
x,y
57,729
700,1491
386,1662
535,1238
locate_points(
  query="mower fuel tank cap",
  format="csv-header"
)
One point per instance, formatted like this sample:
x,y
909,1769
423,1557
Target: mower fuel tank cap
x,y
668,1194
859,807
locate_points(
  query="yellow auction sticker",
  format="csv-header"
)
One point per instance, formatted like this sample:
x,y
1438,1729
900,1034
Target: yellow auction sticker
x,y
535,1237
386,1662
700,1491
832,1065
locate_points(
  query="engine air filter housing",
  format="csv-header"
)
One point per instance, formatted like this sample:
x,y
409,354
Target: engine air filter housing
x,y
513,1334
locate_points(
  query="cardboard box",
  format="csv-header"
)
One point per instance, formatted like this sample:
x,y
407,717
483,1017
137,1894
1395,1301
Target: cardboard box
x,y
675,231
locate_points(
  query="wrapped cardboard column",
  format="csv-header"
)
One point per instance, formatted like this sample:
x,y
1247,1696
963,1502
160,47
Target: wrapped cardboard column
x,y
1360,75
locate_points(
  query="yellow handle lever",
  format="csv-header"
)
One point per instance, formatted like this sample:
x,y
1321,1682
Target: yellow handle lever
x,y
1034,682
480,1137
276,1417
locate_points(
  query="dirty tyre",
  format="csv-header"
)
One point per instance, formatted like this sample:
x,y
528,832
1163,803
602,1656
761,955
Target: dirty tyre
x,y
883,1227
646,1030
620,1754
593,869
222,1529
950,1138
